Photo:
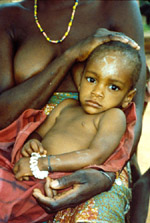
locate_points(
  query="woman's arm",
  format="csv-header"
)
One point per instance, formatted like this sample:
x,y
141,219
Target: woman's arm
x,y
35,91
86,184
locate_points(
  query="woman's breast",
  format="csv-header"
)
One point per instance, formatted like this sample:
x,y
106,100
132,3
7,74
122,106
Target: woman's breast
x,y
32,57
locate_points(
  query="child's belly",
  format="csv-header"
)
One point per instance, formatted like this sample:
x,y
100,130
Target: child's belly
x,y
63,143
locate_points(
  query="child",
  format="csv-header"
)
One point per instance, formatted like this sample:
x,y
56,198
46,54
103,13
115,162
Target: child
x,y
86,133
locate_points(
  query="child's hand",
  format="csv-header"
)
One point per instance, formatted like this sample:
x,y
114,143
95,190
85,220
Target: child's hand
x,y
33,145
50,193
22,169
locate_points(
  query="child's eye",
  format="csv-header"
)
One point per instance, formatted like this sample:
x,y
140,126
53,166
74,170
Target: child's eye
x,y
114,87
91,79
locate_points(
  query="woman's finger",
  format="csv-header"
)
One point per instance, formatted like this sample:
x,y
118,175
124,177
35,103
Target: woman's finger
x,y
106,36
63,200
75,178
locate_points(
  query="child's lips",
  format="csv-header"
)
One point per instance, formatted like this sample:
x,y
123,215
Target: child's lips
x,y
93,104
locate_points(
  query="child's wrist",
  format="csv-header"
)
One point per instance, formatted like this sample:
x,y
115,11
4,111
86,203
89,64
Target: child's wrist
x,y
43,163
35,135
34,166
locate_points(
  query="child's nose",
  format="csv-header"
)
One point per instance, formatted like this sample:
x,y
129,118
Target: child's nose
x,y
98,91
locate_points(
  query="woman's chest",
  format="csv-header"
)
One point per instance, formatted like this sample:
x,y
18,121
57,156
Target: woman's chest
x,y
35,52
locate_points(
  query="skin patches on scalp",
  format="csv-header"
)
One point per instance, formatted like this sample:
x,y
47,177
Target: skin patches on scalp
x,y
110,66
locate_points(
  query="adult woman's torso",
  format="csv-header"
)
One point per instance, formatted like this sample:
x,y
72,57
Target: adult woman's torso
x,y
32,52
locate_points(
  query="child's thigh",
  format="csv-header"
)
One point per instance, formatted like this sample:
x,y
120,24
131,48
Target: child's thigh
x,y
106,207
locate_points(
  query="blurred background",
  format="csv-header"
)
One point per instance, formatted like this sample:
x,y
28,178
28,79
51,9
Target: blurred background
x,y
144,144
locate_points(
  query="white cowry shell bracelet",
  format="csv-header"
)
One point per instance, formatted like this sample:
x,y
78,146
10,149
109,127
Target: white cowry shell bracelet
x,y
34,166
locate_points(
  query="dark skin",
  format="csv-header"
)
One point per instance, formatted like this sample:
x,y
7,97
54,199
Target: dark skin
x,y
31,68
140,199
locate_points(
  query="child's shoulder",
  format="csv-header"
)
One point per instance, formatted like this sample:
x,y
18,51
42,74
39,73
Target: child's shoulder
x,y
69,102
111,115
115,113
66,103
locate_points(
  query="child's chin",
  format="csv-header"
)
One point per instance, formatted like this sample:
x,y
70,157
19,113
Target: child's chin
x,y
92,111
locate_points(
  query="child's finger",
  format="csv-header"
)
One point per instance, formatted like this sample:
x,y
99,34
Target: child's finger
x,y
45,152
25,178
54,193
37,193
34,146
24,153
48,190
41,149
15,169
29,151
19,176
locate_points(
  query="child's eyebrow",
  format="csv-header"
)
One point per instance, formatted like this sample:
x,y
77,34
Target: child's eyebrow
x,y
118,81
93,72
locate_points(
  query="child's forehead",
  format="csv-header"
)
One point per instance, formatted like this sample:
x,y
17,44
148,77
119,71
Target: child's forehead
x,y
108,58
108,54
112,63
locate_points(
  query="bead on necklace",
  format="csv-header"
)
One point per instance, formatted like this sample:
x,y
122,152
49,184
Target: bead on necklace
x,y
69,24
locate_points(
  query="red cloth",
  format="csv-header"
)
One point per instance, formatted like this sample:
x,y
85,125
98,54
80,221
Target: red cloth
x,y
122,153
17,204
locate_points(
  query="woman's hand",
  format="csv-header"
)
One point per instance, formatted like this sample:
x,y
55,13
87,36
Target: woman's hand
x,y
85,47
85,184
107,36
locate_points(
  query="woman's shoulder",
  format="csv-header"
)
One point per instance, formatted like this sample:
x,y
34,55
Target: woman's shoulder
x,y
12,12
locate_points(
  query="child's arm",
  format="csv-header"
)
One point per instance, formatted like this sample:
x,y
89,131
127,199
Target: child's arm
x,y
109,133
110,130
22,167
33,143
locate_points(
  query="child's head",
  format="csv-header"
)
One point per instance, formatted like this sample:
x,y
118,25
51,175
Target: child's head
x,y
109,77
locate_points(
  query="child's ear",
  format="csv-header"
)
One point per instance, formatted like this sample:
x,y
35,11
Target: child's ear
x,y
127,100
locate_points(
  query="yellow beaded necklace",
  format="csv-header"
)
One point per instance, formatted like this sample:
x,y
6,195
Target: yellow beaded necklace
x,y
44,33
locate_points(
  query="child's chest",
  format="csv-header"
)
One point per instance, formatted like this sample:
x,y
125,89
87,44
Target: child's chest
x,y
76,123
73,130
